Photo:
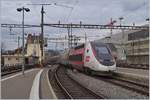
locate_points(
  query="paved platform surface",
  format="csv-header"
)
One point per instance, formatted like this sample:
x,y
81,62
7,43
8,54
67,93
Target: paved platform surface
x,y
45,92
139,72
19,86
5,76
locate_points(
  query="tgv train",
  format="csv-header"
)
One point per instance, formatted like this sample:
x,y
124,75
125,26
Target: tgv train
x,y
90,57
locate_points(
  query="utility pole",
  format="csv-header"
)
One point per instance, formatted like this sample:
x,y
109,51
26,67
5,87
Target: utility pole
x,y
10,29
121,18
18,46
71,35
111,23
74,38
111,28
18,41
42,29
69,28
68,36
42,32
56,46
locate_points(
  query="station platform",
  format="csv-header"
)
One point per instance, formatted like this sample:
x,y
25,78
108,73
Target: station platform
x,y
137,72
46,91
137,75
18,86
33,85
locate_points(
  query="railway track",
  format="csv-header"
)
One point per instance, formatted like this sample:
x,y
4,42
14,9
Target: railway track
x,y
10,72
136,87
13,69
71,88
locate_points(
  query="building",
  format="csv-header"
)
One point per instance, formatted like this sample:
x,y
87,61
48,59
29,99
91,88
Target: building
x,y
33,47
10,60
135,44
32,53
137,47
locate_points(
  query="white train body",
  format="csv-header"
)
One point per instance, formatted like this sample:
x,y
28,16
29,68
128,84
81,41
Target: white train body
x,y
93,63
90,57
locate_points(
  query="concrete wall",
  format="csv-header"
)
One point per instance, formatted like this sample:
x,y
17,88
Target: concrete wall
x,y
137,51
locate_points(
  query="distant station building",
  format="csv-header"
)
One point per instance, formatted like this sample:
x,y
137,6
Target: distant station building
x,y
33,52
11,58
33,46
134,42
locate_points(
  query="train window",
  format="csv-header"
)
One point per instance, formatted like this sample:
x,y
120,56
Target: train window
x,y
75,57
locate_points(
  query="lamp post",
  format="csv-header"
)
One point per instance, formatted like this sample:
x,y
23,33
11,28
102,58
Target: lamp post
x,y
112,22
121,18
147,19
23,9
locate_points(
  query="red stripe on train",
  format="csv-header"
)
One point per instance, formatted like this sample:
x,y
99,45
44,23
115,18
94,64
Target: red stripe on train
x,y
78,51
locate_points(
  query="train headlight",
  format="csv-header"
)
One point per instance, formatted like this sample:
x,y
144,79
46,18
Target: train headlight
x,y
101,60
113,60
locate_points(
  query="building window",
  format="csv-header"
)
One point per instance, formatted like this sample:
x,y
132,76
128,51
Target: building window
x,y
9,58
138,35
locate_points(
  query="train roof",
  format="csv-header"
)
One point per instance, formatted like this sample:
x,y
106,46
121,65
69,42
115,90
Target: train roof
x,y
110,45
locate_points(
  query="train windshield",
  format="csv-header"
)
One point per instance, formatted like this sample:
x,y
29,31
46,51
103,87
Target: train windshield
x,y
102,50
103,54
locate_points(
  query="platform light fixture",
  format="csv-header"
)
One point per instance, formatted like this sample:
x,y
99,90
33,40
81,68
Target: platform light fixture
x,y
23,9
147,19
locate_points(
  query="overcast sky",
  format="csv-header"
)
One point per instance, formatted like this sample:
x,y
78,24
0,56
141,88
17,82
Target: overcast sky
x,y
87,11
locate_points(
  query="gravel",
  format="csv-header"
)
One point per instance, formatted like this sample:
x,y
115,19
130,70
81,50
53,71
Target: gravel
x,y
104,88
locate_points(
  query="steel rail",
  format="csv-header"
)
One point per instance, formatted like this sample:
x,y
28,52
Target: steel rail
x,y
61,86
67,92
140,88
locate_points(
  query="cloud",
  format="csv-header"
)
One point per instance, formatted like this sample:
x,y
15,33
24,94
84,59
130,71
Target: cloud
x,y
133,5
87,11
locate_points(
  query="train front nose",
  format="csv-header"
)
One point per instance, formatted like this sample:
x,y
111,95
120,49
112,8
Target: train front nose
x,y
101,67
107,62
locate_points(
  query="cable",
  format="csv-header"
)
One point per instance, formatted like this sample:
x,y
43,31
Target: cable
x,y
67,19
